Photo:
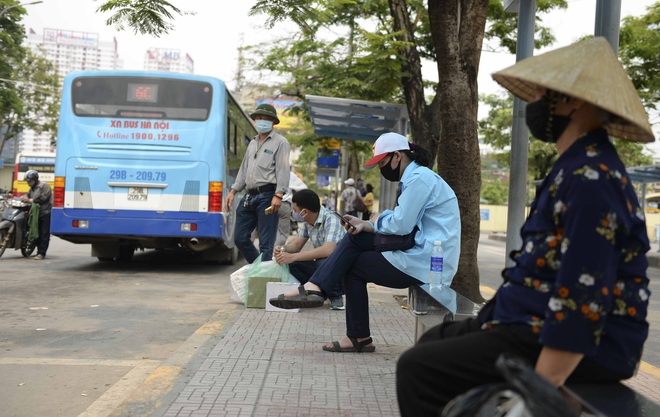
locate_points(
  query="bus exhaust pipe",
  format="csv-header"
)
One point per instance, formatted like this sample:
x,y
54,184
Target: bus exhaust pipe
x,y
198,244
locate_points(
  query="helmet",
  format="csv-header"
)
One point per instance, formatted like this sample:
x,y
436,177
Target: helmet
x,y
32,175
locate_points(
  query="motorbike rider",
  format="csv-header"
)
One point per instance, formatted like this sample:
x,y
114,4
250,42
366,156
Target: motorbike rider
x,y
40,193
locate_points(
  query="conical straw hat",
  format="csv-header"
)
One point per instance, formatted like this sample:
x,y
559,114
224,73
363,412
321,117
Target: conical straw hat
x,y
589,71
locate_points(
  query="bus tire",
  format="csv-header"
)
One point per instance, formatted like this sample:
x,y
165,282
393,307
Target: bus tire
x,y
232,256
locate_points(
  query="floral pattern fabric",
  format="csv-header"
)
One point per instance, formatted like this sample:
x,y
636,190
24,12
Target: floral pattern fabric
x,y
580,278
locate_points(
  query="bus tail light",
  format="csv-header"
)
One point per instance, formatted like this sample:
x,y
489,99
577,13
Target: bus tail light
x,y
188,227
58,194
215,197
80,224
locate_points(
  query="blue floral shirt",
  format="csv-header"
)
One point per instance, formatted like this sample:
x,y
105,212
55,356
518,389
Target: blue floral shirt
x,y
580,279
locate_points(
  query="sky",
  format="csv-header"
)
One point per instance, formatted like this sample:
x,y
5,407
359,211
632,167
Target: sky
x,y
212,35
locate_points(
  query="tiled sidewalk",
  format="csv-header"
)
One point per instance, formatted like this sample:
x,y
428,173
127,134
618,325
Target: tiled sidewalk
x,y
272,364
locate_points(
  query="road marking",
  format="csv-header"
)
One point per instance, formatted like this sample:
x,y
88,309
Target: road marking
x,y
649,369
73,362
116,395
145,396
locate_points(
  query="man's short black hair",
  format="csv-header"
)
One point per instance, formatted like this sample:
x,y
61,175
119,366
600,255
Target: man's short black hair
x,y
307,199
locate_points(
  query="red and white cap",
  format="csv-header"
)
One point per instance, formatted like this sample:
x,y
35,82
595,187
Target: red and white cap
x,y
385,144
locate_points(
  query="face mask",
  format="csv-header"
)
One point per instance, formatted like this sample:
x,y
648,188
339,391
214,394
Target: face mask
x,y
389,173
543,125
297,216
263,126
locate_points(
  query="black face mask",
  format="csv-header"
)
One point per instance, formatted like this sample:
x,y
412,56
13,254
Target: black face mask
x,y
389,173
542,124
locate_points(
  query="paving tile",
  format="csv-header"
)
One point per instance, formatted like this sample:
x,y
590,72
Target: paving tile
x,y
272,364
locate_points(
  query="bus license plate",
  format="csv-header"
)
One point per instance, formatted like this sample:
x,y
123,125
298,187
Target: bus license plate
x,y
137,193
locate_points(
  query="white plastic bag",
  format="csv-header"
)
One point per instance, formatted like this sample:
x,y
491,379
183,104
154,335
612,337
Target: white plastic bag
x,y
237,280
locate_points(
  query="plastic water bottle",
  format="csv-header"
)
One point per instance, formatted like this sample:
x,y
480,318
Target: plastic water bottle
x,y
437,261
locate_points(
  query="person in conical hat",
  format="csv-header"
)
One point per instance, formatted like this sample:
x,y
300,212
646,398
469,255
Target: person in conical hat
x,y
574,304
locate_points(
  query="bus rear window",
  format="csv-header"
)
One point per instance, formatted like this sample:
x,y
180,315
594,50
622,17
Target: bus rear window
x,y
141,98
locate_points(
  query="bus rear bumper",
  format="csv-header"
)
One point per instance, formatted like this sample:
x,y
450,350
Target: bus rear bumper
x,y
83,227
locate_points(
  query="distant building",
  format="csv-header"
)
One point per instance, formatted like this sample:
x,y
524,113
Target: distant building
x,y
68,50
168,60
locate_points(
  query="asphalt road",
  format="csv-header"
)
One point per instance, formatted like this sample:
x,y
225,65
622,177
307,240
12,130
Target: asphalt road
x,y
79,336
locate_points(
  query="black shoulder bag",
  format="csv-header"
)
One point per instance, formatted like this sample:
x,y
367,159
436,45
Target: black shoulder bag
x,y
386,243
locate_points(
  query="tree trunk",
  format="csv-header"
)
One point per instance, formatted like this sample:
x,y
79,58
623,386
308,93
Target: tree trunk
x,y
412,80
457,28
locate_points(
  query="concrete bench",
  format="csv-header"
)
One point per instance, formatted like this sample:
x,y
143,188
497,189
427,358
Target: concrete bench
x,y
432,306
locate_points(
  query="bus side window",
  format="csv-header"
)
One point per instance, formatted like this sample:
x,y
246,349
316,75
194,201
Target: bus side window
x,y
228,135
235,136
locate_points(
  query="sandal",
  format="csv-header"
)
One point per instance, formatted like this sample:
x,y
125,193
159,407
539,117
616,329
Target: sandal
x,y
358,347
305,299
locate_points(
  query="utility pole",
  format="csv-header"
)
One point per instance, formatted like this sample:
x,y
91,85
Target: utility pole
x,y
608,17
520,133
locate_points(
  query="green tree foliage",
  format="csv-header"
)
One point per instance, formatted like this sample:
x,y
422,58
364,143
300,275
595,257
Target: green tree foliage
x,y
29,86
11,38
40,92
495,192
148,17
639,50
36,85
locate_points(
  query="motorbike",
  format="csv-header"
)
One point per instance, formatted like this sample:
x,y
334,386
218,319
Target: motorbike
x,y
14,228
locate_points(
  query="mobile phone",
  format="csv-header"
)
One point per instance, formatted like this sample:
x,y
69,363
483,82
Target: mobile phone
x,y
268,210
343,219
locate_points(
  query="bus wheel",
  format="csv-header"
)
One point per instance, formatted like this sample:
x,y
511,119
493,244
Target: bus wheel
x,y
232,258
125,253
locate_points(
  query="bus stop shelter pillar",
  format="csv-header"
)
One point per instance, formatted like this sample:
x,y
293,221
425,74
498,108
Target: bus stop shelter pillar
x,y
519,133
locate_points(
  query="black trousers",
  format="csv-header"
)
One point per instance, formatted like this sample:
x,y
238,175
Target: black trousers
x,y
454,357
303,270
355,263
44,234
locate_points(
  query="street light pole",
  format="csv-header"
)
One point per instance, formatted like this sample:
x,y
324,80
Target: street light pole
x,y
8,8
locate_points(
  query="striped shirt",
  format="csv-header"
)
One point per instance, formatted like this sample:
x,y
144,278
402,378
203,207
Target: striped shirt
x,y
326,229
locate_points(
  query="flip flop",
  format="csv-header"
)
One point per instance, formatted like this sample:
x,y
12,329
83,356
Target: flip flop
x,y
305,299
358,347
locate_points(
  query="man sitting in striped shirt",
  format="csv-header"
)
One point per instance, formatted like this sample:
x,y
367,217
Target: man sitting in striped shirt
x,y
323,229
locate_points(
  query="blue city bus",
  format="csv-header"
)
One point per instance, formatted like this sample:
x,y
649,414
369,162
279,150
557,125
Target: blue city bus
x,y
145,160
